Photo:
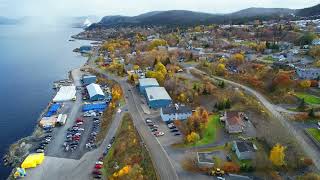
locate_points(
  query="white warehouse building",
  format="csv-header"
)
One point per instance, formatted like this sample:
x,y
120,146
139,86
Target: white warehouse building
x,y
175,112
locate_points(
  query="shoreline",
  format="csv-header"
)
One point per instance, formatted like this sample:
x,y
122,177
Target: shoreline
x,y
20,149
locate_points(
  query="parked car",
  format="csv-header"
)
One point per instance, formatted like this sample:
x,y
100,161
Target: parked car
x,y
175,130
96,172
109,146
158,133
177,134
154,130
98,166
148,120
40,150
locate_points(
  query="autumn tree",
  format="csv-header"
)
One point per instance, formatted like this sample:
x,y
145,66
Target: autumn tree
x,y
198,121
221,69
277,155
315,52
157,42
305,84
231,167
116,92
193,137
282,80
237,58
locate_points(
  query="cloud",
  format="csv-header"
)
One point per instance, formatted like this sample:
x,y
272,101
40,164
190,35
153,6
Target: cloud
x,y
134,7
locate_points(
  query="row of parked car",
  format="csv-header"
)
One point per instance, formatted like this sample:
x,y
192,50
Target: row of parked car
x,y
96,173
44,141
173,129
93,135
154,128
73,135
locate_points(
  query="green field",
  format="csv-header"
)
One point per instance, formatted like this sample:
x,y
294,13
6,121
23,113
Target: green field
x,y
210,133
310,99
315,133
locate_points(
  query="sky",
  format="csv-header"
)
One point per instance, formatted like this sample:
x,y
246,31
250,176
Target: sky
x,y
54,8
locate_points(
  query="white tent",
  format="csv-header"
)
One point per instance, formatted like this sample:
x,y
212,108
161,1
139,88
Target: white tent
x,y
65,93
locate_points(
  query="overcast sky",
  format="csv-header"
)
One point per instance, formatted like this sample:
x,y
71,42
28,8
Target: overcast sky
x,y
19,8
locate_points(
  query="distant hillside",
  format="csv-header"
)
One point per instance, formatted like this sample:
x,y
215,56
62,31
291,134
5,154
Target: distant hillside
x,y
311,11
185,18
250,12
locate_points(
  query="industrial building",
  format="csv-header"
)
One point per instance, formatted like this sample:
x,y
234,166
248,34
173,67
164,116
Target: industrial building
x,y
89,79
175,112
146,83
65,93
95,92
157,97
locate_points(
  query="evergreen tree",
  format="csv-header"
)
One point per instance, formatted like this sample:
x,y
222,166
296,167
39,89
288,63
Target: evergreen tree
x,y
227,104
311,113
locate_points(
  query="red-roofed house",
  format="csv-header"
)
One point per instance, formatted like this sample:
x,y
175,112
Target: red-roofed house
x,y
233,122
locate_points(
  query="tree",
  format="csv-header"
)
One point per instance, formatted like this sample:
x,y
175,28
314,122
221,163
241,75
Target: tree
x,y
238,58
221,69
231,167
302,105
282,80
277,155
160,68
305,84
311,113
315,52
157,42
136,67
193,137
307,38
227,104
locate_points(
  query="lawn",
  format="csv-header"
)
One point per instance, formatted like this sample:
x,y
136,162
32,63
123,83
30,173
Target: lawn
x,y
210,133
310,99
128,151
315,133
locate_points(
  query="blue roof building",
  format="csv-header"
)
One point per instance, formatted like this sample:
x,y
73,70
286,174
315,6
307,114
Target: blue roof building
x,y
95,92
157,97
89,79
146,83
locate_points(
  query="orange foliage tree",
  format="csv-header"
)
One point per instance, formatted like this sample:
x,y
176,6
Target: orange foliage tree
x,y
231,167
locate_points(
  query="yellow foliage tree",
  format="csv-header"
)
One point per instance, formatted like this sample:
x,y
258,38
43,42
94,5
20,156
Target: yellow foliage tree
x,y
124,171
305,83
277,155
221,69
116,92
157,42
160,68
182,98
193,137
239,58
136,67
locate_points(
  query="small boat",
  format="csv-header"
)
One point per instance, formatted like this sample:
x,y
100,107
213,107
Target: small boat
x,y
71,40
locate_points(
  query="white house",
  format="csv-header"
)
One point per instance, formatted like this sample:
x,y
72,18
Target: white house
x,y
175,112
308,73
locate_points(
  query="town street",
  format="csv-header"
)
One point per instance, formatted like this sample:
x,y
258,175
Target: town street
x,y
307,145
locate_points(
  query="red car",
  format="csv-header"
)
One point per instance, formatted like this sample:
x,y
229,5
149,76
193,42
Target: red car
x,y
79,120
98,166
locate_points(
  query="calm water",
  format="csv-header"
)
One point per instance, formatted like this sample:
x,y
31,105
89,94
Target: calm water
x,y
31,58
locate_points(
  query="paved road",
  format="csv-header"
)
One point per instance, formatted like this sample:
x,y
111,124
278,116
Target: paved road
x,y
159,156
308,146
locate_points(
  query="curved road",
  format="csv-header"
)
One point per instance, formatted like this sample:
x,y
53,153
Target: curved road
x,y
307,145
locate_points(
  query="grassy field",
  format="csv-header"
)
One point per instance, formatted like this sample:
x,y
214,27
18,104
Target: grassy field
x,y
310,99
128,151
210,133
315,133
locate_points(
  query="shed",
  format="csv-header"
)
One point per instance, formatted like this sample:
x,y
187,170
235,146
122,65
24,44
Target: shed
x,y
89,79
95,92
65,93
157,97
146,83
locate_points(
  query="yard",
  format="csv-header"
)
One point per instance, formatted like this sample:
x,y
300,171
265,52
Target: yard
x,y
315,133
128,158
310,99
210,133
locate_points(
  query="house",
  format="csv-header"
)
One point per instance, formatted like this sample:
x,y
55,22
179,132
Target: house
x,y
175,112
146,83
95,92
244,149
308,73
233,122
157,97
89,79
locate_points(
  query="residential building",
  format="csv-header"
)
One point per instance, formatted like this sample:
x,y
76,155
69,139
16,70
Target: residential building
x,y
175,112
95,92
244,149
146,83
316,42
157,97
308,73
233,122
89,79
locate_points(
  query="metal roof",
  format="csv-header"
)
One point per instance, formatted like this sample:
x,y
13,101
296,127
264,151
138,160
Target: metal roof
x,y
175,110
157,93
148,82
94,89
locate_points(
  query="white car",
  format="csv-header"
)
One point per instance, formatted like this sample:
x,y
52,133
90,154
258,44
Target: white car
x,y
81,129
170,125
109,146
